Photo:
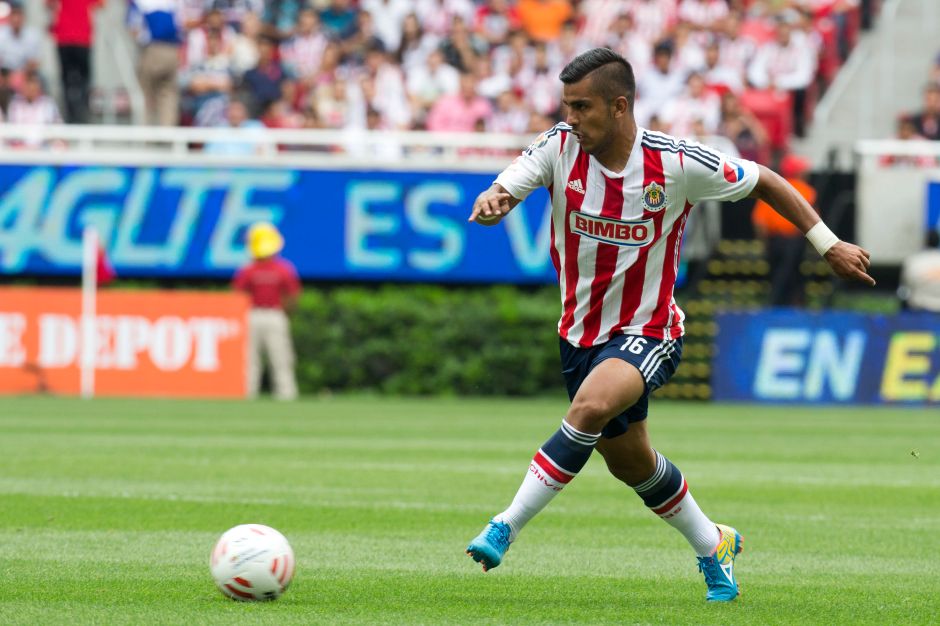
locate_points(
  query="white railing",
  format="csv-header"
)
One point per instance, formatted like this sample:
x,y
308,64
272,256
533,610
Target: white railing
x,y
259,147
892,194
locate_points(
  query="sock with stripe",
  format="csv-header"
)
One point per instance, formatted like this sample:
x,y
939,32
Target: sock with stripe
x,y
667,495
554,465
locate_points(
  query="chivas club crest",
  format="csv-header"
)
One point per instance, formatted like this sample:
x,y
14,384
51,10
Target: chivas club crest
x,y
654,197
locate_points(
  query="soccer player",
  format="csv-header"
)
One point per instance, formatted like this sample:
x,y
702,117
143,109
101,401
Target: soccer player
x,y
621,196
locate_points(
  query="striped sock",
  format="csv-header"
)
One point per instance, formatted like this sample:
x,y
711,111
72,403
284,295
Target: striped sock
x,y
554,465
667,495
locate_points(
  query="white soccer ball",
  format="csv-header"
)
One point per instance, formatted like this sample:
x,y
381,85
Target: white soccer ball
x,y
252,562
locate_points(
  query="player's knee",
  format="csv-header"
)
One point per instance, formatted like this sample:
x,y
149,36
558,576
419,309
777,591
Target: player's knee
x,y
589,414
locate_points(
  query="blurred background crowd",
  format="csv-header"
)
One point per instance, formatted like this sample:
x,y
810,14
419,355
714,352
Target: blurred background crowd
x,y
749,71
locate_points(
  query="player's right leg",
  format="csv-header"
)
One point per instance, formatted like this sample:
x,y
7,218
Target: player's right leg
x,y
605,392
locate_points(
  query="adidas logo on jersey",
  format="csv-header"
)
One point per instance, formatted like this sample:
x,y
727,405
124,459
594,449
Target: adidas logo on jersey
x,y
575,185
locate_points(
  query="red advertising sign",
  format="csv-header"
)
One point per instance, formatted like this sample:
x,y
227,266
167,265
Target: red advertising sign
x,y
147,343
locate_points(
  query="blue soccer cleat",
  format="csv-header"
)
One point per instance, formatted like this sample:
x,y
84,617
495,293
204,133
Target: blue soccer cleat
x,y
719,567
490,545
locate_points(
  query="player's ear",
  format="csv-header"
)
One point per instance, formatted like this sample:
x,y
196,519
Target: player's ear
x,y
621,106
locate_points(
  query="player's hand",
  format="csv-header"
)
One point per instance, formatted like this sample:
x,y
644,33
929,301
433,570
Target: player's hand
x,y
850,262
490,207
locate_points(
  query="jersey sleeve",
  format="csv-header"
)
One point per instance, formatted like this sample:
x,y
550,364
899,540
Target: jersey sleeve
x,y
713,175
534,167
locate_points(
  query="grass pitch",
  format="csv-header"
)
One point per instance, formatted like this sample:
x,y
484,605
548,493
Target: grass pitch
x,y
108,510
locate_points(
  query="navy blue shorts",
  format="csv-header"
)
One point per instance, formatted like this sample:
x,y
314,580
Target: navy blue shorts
x,y
656,359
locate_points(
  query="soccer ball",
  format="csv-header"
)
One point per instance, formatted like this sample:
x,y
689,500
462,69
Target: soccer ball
x,y
252,562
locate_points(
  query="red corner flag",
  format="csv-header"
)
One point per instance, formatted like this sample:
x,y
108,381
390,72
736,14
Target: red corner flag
x,y
105,273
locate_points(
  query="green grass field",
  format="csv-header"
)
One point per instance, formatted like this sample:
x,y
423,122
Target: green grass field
x,y
108,511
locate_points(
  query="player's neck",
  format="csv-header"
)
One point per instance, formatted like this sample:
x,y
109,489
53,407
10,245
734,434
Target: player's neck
x,y
617,153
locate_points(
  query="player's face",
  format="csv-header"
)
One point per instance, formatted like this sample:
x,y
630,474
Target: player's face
x,y
590,116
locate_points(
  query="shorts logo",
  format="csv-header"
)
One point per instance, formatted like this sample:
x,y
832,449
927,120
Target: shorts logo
x,y
632,233
654,197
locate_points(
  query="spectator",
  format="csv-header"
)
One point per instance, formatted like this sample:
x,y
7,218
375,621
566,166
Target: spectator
x,y
236,116
494,20
540,84
245,45
703,14
196,40
509,116
622,37
596,18
415,45
364,39
280,114
6,91
156,24
233,11
437,16
273,286
736,49
659,85
207,84
688,54
654,18
339,19
388,17
568,45
786,63
920,276
72,28
489,84
743,129
302,54
385,89
720,78
515,55
783,242
31,107
265,83
428,82
338,106
927,121
20,45
543,19
694,104
460,111
281,15
907,131
461,47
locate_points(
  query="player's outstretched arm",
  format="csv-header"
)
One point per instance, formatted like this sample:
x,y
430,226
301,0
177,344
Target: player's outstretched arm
x,y
491,205
847,260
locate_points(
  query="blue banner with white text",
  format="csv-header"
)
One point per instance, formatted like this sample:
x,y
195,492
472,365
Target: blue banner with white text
x,y
792,356
338,225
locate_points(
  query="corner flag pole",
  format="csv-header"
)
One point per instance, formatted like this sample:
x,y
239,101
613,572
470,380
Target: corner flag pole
x,y
89,297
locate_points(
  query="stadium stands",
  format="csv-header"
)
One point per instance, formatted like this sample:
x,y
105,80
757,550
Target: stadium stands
x,y
383,64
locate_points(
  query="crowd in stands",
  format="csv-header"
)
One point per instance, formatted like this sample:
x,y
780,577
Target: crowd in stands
x,y
747,70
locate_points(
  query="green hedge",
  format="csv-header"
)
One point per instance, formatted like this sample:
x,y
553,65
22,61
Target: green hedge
x,y
428,340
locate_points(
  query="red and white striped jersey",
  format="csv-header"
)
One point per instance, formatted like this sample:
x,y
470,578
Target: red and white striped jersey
x,y
616,236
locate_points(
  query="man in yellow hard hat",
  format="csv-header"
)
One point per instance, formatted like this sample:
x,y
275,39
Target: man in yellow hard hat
x,y
272,283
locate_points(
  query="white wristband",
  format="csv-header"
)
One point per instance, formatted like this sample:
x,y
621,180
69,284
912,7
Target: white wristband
x,y
822,238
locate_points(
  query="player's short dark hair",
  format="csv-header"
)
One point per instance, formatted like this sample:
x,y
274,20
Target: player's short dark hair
x,y
613,75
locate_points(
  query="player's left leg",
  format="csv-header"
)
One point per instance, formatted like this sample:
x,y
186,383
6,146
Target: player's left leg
x,y
664,490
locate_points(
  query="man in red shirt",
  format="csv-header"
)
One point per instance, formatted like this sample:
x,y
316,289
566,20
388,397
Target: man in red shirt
x,y
273,286
73,27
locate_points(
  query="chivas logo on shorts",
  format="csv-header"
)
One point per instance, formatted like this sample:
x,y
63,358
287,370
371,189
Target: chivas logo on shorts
x,y
654,197
633,233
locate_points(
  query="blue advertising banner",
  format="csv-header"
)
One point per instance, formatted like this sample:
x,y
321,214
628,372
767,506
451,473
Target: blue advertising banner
x,y
787,355
349,225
